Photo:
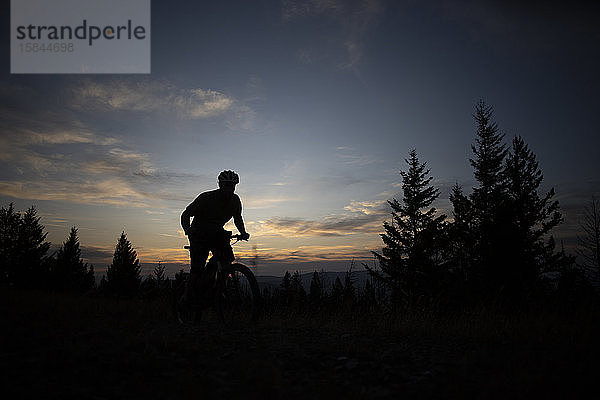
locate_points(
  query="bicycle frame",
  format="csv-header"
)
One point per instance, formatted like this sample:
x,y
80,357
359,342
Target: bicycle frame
x,y
229,306
216,254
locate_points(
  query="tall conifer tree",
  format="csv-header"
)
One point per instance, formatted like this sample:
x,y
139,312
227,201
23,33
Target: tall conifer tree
x,y
315,293
488,198
531,216
10,222
123,275
70,272
23,248
413,239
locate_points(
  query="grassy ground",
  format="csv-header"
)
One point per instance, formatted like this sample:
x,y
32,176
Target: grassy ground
x,y
64,346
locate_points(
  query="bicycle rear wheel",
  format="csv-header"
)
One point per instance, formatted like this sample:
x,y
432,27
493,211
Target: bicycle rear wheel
x,y
238,301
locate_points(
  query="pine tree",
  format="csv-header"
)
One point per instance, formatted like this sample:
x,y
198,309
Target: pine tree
x,y
368,297
286,289
315,293
90,278
337,291
123,275
286,282
70,272
10,222
179,280
33,239
488,198
349,296
159,275
147,288
298,292
23,248
179,277
529,218
489,151
410,258
325,284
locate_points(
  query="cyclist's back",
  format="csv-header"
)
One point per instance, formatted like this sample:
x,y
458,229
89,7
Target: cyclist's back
x,y
211,210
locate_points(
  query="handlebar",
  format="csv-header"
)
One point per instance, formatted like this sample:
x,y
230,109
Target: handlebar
x,y
229,235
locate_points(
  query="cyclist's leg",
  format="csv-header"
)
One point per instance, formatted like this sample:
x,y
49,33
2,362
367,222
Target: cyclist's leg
x,y
198,255
226,252
206,279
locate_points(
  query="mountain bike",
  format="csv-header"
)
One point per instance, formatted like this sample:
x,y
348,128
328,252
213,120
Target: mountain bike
x,y
229,288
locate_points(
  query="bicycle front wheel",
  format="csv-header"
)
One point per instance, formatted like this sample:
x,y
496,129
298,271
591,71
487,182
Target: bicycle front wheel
x,y
238,301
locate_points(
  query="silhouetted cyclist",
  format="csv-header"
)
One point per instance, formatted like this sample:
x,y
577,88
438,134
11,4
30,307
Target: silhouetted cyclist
x,y
211,210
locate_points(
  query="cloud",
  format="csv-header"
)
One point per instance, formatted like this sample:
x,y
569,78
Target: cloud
x,y
173,254
262,202
376,207
149,96
328,226
361,217
47,154
349,157
112,191
306,253
65,137
159,101
25,127
96,174
97,254
41,142
163,175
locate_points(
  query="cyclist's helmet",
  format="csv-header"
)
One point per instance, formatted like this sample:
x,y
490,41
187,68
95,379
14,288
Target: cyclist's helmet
x,y
229,176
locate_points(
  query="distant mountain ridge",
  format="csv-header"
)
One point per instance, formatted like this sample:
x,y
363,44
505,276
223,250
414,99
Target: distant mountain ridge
x,y
360,278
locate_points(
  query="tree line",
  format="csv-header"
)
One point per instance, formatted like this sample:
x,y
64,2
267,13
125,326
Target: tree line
x,y
323,295
25,262
496,246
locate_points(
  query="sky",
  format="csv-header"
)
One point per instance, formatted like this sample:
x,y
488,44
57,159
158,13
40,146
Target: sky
x,y
316,104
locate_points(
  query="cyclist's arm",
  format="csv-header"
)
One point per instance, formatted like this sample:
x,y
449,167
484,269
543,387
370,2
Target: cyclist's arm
x,y
239,221
239,224
191,210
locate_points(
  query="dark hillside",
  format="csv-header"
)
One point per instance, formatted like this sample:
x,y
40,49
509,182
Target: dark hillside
x,y
94,347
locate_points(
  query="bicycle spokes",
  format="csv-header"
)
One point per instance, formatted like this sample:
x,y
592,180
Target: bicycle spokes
x,y
239,298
